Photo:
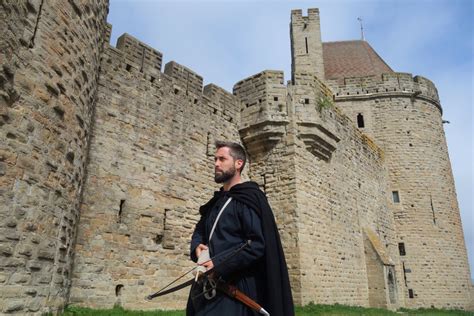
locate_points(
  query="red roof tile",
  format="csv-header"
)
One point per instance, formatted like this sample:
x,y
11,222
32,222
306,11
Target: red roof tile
x,y
352,59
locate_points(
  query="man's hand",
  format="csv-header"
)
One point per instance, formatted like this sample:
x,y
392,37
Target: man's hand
x,y
199,249
207,264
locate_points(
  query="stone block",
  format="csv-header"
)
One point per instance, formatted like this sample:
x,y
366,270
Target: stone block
x,y
14,306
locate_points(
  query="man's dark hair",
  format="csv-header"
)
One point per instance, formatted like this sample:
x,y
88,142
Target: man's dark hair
x,y
236,151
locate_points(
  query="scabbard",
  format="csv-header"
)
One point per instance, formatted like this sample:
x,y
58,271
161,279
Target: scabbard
x,y
235,293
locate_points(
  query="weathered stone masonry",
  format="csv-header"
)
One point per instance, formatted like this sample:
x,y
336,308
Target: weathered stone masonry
x,y
142,192
50,55
106,155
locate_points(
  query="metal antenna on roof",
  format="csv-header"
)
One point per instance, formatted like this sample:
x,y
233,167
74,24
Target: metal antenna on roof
x,y
361,28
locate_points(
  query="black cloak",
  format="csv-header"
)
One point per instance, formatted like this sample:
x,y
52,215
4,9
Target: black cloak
x,y
277,298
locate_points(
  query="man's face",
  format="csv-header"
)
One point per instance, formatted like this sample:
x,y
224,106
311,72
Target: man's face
x,y
224,165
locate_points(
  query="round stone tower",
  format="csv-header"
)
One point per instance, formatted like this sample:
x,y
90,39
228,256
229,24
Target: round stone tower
x,y
403,115
49,55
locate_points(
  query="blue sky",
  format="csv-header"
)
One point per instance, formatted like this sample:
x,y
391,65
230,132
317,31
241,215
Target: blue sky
x,y
228,40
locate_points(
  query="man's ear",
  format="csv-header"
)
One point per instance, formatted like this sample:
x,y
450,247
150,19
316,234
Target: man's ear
x,y
238,164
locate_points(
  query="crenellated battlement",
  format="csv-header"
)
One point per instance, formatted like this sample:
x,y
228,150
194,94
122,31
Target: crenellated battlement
x,y
221,99
184,77
298,17
264,110
263,97
312,81
107,33
388,84
139,55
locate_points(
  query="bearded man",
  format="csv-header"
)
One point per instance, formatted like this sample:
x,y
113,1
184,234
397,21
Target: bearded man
x,y
238,230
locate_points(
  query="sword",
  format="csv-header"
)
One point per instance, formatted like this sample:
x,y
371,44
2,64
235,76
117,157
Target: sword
x,y
235,293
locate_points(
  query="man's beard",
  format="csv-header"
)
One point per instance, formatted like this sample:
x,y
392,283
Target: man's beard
x,y
224,176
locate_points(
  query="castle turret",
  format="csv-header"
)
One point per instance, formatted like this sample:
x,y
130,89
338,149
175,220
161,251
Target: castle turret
x,y
403,115
306,45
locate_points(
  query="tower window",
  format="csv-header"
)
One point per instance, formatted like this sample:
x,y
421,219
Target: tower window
x,y
118,290
401,248
410,293
360,121
120,213
306,101
396,197
306,44
404,274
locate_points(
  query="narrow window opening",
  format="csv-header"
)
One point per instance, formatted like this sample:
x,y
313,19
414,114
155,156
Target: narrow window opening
x,y
209,151
176,91
259,100
164,218
38,17
360,120
128,67
158,239
401,248
195,101
59,112
264,178
432,209
410,293
306,101
70,157
396,197
122,202
306,44
118,289
143,59
275,98
404,274
152,79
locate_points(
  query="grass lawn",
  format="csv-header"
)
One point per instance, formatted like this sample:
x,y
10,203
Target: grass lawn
x,y
311,309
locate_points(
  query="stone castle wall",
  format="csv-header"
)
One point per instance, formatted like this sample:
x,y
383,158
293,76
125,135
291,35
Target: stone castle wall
x,y
404,117
270,143
341,185
49,55
326,204
105,132
151,167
